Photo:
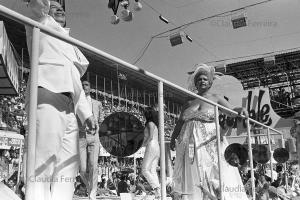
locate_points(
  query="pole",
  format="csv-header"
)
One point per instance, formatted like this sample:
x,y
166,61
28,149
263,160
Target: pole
x,y
22,65
270,149
104,90
126,100
144,98
96,87
119,94
19,162
137,100
250,158
285,164
134,164
30,168
219,151
162,140
112,95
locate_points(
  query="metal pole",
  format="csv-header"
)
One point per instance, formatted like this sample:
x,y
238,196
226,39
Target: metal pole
x,y
22,65
104,90
112,95
285,164
219,151
30,168
162,140
126,100
96,87
137,99
250,158
19,162
270,149
119,99
144,98
240,136
134,164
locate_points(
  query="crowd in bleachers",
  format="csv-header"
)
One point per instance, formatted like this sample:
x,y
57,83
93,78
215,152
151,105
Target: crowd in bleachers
x,y
281,98
265,188
12,111
117,175
9,166
110,106
13,118
113,171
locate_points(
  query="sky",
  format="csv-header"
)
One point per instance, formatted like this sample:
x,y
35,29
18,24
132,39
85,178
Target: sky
x,y
272,26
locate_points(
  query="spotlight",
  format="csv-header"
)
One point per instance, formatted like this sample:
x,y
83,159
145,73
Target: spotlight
x,y
189,38
239,20
126,15
137,6
124,3
163,19
115,19
176,39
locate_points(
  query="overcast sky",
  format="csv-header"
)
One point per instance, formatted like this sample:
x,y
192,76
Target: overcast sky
x,y
272,26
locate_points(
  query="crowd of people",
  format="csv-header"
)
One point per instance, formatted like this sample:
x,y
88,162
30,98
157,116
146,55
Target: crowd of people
x,y
9,167
280,98
65,110
116,175
285,183
12,111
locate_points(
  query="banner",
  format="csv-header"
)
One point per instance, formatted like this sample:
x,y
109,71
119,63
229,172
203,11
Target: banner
x,y
10,139
256,101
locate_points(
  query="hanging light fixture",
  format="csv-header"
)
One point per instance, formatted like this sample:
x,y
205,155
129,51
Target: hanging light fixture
x,y
115,19
176,39
114,4
239,20
137,6
188,38
126,14
163,19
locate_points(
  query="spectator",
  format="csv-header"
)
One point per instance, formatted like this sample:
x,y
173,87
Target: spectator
x,y
122,186
262,188
89,145
140,188
103,184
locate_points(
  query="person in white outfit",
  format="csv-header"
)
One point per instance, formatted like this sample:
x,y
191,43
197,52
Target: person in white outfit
x,y
152,152
60,98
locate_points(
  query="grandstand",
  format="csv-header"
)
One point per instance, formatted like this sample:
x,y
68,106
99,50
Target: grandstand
x,y
280,73
118,89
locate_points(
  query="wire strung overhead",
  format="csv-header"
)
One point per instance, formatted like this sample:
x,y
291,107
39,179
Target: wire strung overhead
x,y
162,18
184,26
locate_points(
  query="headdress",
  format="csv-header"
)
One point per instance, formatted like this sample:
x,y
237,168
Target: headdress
x,y
199,69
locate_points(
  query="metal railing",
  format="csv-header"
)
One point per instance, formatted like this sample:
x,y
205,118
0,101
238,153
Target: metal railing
x,y
37,28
